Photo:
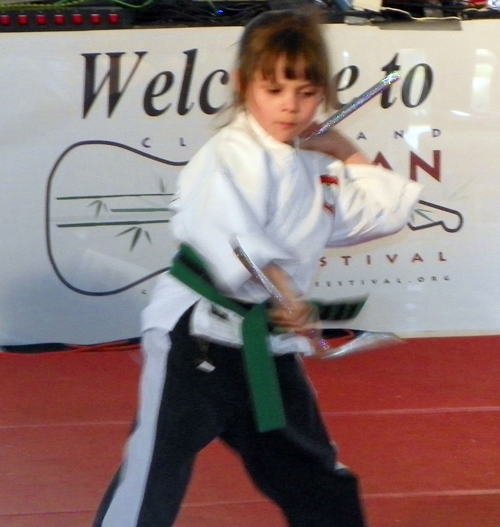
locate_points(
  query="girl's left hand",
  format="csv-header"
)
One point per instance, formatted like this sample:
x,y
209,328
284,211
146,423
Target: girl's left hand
x,y
334,144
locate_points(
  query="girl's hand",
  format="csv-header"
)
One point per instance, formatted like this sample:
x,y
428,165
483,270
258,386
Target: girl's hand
x,y
295,317
334,144
295,314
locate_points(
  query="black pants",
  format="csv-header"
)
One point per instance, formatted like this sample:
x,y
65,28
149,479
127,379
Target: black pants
x,y
295,466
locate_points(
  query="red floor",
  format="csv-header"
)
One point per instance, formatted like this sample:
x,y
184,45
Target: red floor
x,y
419,422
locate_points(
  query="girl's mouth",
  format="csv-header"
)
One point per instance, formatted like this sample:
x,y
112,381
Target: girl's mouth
x,y
287,126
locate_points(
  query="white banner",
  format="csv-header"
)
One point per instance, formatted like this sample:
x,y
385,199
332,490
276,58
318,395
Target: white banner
x,y
97,124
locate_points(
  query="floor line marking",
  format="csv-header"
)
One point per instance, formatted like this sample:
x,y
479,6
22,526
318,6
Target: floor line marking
x,y
44,513
403,411
432,494
396,495
60,425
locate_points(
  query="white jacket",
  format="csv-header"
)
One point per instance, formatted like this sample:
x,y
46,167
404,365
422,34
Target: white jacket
x,y
286,206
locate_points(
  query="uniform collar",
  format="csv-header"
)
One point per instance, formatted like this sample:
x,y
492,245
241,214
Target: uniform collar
x,y
267,140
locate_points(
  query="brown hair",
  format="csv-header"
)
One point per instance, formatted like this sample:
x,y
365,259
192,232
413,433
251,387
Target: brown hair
x,y
293,34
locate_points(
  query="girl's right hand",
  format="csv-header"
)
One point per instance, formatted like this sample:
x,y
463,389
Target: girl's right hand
x,y
296,317
294,314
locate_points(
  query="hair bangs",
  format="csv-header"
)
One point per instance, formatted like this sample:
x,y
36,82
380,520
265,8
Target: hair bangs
x,y
297,65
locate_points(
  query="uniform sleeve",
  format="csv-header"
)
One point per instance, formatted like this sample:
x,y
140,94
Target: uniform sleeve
x,y
370,202
230,199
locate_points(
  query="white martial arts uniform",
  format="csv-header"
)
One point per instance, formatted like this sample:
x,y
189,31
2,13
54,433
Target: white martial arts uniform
x,y
245,183
285,205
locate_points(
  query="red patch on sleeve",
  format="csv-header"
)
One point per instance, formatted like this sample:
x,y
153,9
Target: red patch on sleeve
x,y
329,180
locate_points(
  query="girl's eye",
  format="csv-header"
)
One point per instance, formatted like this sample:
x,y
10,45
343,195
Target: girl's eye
x,y
309,93
273,91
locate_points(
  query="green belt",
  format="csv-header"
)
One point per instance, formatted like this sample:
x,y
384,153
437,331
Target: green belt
x,y
262,377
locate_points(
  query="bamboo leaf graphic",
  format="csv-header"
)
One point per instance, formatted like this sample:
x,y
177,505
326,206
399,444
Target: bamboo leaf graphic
x,y
127,230
421,212
99,206
138,232
136,238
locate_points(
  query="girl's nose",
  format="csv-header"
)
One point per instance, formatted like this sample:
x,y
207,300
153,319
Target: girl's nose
x,y
291,102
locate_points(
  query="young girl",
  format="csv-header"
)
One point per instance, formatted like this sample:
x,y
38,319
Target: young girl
x,y
285,201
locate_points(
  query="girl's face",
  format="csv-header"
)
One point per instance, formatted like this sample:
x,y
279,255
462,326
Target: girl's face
x,y
283,107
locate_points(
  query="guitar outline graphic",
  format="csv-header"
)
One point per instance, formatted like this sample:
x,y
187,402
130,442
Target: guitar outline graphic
x,y
76,218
